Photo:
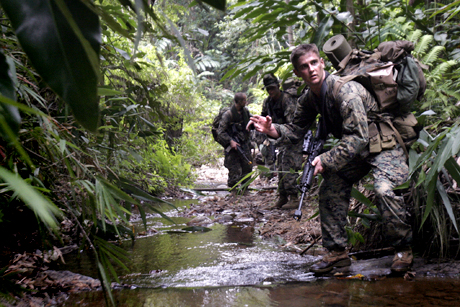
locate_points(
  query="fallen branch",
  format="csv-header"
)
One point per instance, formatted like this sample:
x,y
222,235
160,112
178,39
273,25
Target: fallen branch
x,y
313,243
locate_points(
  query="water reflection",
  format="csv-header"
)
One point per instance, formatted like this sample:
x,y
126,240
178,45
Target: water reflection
x,y
323,292
227,255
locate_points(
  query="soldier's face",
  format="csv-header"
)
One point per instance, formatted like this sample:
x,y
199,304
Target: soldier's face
x,y
273,91
241,104
310,68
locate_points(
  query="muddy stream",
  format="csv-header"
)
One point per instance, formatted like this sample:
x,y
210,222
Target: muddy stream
x,y
230,264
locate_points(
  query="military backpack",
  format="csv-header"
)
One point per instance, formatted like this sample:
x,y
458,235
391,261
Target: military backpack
x,y
215,124
391,74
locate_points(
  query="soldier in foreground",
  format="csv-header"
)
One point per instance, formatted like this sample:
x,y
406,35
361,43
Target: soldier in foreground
x,y
280,106
346,116
235,138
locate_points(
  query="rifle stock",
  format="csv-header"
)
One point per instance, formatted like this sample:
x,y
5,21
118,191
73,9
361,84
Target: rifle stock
x,y
312,147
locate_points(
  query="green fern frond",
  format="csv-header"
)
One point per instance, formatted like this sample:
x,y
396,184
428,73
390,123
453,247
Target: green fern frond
x,y
423,44
415,36
408,26
396,29
453,94
441,69
433,55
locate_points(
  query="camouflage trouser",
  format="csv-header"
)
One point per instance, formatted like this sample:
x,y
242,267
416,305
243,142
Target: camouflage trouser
x,y
389,170
237,166
289,157
269,154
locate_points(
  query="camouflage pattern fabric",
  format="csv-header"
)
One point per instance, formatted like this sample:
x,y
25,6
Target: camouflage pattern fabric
x,y
237,166
389,170
290,154
282,110
347,117
224,131
289,158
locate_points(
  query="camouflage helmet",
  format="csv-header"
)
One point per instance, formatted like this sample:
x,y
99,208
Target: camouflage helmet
x,y
270,80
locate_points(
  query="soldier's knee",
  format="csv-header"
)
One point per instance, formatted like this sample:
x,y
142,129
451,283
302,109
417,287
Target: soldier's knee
x,y
383,189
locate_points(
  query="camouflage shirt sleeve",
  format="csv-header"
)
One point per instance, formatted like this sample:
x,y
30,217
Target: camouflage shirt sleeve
x,y
265,107
289,107
224,126
355,133
303,117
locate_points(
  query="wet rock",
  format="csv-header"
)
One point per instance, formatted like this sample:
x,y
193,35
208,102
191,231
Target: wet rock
x,y
197,229
224,219
200,221
72,281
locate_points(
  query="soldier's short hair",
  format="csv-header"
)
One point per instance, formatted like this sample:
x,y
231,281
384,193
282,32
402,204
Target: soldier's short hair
x,y
301,50
239,97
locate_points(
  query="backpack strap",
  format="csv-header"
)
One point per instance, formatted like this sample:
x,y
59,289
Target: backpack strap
x,y
398,137
339,83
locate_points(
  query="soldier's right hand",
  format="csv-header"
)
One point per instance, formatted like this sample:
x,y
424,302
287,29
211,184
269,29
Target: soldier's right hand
x,y
234,144
261,123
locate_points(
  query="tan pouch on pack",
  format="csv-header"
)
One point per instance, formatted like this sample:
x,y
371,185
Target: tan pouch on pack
x,y
405,125
375,143
388,136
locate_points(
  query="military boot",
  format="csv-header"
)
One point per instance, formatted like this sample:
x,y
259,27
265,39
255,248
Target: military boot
x,y
293,202
333,259
280,202
402,260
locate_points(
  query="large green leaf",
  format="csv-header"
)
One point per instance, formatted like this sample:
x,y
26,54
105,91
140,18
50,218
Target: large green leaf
x,y
361,197
218,4
62,40
447,204
42,207
322,31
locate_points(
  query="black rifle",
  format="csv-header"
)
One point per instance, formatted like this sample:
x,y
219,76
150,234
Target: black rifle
x,y
312,146
238,148
273,152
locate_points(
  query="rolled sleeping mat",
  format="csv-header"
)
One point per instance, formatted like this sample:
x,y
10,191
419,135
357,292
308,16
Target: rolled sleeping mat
x,y
336,48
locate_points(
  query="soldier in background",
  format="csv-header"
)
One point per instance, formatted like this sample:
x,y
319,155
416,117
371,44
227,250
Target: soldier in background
x,y
280,106
232,134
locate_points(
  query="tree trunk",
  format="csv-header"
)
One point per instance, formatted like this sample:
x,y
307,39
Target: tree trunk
x,y
289,32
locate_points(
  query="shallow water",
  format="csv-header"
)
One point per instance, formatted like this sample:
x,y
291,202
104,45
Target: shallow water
x,y
231,266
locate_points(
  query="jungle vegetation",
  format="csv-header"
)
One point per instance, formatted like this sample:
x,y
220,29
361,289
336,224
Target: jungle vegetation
x,y
106,104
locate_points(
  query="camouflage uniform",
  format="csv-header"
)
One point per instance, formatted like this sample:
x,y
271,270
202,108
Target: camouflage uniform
x,y
237,166
290,154
347,117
